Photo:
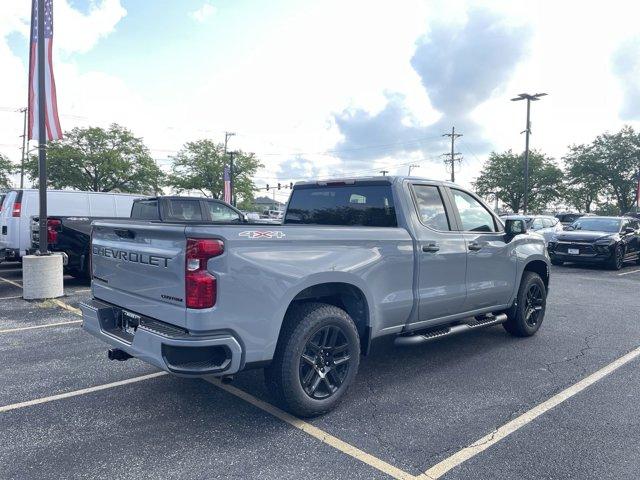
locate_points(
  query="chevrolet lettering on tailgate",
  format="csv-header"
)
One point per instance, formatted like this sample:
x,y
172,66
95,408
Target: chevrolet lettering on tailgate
x,y
134,257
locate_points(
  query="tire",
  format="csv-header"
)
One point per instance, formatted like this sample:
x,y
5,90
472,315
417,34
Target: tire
x,y
527,313
309,329
557,263
616,262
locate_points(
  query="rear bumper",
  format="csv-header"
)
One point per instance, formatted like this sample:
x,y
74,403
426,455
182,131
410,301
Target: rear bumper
x,y
167,347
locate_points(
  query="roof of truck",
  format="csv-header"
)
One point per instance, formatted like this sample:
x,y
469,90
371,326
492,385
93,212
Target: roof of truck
x,y
387,178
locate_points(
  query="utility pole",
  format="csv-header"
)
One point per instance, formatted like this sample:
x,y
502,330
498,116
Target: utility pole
x,y
529,98
24,146
231,186
452,160
228,135
384,172
412,166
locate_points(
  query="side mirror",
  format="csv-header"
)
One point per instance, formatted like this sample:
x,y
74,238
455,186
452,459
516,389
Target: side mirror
x,y
628,230
515,227
245,218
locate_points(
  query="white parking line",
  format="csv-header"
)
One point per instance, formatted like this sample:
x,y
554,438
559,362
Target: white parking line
x,y
11,282
83,391
627,273
315,432
11,298
494,437
57,324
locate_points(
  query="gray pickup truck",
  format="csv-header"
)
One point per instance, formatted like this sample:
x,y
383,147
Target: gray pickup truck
x,y
353,260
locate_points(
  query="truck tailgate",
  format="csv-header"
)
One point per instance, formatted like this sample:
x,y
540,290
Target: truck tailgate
x,y
141,265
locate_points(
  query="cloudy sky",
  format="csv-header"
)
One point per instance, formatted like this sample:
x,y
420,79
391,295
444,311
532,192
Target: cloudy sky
x,y
336,87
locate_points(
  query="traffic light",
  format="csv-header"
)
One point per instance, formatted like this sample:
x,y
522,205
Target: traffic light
x,y
291,185
278,186
267,187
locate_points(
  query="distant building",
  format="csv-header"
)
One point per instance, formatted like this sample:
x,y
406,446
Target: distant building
x,y
261,204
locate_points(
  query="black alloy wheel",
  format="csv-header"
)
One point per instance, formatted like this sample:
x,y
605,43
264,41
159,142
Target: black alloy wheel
x,y
324,363
617,258
316,359
534,305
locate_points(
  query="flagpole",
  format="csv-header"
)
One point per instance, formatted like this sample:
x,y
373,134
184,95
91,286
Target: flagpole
x,y
42,134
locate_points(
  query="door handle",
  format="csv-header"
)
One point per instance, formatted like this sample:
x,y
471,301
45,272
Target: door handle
x,y
430,247
474,247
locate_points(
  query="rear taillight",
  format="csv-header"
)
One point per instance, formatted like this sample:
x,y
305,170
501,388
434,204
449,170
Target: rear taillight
x,y
200,285
17,208
53,227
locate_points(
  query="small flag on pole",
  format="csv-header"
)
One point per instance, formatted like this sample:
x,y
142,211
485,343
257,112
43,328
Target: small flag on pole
x,y
52,122
227,184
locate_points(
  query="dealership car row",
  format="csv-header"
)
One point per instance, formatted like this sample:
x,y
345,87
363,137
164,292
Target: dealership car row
x,y
570,237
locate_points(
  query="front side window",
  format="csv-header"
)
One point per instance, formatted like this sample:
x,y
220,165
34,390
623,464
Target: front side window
x,y
473,215
431,207
219,212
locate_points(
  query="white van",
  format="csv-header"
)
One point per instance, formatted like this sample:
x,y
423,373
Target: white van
x,y
22,204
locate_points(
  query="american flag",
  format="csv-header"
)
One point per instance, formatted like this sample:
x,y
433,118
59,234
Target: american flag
x,y
52,122
227,184
638,193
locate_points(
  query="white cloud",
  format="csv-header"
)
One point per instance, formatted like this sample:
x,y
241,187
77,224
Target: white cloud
x,y
203,13
95,95
77,32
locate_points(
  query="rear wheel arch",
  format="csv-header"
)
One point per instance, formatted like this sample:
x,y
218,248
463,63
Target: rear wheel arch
x,y
346,296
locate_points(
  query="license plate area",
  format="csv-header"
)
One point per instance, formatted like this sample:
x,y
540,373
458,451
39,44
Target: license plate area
x,y
129,322
121,324
573,251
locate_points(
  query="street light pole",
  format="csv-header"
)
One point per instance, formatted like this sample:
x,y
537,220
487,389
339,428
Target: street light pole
x,y
529,98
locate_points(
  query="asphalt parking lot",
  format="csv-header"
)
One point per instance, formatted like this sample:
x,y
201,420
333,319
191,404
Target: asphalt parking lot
x,y
482,405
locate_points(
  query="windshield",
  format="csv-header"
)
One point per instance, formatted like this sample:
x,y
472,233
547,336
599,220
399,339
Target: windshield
x,y
598,224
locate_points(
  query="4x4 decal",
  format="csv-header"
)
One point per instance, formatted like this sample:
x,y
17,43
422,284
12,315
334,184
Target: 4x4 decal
x,y
262,234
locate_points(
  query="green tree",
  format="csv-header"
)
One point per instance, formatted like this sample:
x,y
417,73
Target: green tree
x,y
100,160
584,187
200,165
609,165
503,173
6,169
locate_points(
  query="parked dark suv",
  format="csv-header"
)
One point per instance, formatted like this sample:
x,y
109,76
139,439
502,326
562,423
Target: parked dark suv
x,y
606,240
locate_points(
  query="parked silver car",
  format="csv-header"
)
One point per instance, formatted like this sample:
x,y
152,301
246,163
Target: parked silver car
x,y
545,225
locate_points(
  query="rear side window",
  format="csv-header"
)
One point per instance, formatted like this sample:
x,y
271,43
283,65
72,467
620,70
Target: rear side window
x,y
145,210
1,200
363,205
431,207
183,210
